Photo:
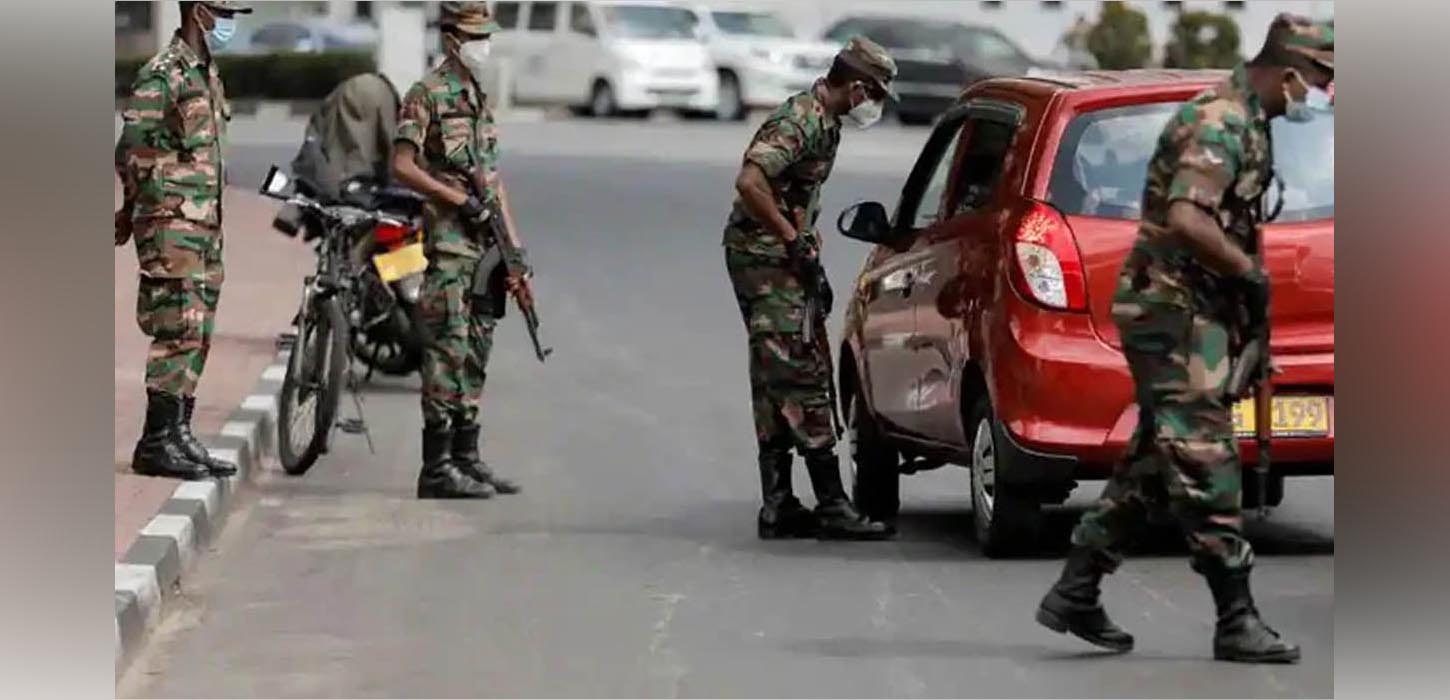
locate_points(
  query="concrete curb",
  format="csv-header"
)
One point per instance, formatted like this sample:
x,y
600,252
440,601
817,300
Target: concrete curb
x,y
149,575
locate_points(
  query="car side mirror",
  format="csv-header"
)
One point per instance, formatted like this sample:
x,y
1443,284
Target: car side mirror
x,y
865,221
276,184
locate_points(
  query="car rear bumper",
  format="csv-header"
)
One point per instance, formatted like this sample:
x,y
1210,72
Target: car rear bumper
x,y
1065,402
645,90
768,86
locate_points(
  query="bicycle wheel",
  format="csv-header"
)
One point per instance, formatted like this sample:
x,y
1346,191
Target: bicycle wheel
x,y
312,386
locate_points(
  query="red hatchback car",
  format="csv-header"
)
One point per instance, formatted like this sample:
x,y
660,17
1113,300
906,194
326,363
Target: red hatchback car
x,y
979,330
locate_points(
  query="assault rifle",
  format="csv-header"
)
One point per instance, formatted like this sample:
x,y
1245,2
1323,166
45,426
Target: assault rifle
x,y
501,251
819,299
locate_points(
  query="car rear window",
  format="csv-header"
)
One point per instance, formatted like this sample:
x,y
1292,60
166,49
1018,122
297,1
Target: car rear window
x,y
1102,163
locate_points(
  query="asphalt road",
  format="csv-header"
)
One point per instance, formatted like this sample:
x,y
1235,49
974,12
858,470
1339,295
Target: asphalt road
x,y
629,566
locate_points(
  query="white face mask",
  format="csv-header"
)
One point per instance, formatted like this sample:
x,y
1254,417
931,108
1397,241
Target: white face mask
x,y
866,114
474,55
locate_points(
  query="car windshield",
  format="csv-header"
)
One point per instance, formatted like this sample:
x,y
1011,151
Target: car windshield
x,y
986,44
649,22
1102,163
751,24
900,34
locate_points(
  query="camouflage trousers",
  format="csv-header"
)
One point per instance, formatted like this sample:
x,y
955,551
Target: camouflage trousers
x,y
789,380
1183,456
176,299
455,357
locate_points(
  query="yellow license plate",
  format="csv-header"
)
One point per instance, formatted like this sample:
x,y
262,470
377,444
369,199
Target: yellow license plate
x,y
400,263
1293,416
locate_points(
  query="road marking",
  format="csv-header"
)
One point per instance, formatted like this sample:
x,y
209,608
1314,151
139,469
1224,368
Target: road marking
x,y
261,402
204,491
900,678
274,373
140,581
245,430
178,528
663,660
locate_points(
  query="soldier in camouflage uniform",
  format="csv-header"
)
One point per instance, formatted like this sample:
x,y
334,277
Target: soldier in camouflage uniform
x,y
169,159
772,253
445,133
1188,277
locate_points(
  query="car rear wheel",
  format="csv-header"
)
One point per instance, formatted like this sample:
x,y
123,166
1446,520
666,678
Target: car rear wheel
x,y
732,101
1006,520
602,102
875,477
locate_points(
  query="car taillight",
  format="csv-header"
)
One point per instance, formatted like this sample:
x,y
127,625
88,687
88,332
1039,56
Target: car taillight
x,y
390,233
1049,268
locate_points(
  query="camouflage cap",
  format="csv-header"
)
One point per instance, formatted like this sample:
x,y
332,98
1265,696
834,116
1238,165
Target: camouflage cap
x,y
236,8
870,58
1299,40
470,17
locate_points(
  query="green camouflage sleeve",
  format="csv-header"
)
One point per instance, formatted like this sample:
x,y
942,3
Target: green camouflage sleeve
x,y
780,142
1210,155
143,132
414,117
488,151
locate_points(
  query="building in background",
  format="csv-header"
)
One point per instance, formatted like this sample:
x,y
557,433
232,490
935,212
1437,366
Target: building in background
x,y
403,41
1037,25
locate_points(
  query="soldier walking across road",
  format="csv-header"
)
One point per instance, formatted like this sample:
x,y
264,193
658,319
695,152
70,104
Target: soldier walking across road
x,y
1189,275
445,136
772,253
169,159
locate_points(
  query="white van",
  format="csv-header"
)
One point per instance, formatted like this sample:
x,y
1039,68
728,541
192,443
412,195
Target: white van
x,y
760,60
605,56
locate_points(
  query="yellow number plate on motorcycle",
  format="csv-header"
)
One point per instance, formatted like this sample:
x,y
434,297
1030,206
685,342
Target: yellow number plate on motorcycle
x,y
1293,416
400,263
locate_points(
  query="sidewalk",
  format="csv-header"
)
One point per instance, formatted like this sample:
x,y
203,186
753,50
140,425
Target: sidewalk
x,y
264,271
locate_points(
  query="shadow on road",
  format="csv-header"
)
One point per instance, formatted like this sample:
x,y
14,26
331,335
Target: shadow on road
x,y
941,533
967,649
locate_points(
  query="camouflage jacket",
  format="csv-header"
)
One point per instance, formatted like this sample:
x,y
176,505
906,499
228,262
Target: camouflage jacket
x,y
796,147
447,120
169,156
1214,152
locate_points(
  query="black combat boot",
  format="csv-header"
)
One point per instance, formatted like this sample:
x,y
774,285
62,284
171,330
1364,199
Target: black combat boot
x,y
160,452
781,515
195,451
836,518
465,455
1072,606
440,478
1241,634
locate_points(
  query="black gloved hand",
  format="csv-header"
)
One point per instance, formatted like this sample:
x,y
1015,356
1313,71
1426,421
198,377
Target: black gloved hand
x,y
807,263
516,261
1252,288
825,294
472,210
803,256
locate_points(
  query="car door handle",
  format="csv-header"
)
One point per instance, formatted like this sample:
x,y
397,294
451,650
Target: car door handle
x,y
899,281
909,285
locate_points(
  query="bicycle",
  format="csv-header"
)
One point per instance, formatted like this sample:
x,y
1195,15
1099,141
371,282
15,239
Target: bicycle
x,y
320,361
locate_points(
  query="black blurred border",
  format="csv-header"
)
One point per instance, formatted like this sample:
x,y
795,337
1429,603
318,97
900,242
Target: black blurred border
x,y
56,610
1393,248
1393,533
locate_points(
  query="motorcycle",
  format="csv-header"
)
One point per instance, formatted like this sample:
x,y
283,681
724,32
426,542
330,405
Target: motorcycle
x,y
386,334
